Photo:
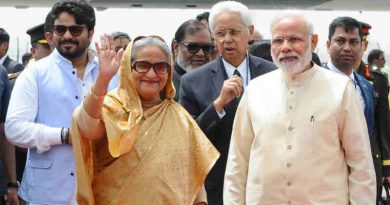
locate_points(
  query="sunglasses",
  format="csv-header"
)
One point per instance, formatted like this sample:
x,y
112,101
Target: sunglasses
x,y
195,47
144,67
74,30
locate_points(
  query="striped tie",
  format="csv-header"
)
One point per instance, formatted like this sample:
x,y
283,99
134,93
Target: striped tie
x,y
237,73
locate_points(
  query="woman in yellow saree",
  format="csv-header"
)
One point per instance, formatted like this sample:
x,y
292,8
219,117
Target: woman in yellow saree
x,y
135,145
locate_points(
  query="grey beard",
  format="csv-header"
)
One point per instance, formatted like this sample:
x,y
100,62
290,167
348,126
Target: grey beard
x,y
180,62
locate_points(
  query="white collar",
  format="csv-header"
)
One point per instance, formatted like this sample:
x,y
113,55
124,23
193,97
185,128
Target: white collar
x,y
334,69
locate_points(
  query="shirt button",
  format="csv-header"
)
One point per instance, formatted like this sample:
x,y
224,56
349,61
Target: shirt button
x,y
77,97
290,128
377,156
73,72
290,107
289,147
289,183
288,164
291,92
71,174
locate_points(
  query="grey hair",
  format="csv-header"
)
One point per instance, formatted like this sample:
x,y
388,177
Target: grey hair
x,y
230,6
151,41
289,14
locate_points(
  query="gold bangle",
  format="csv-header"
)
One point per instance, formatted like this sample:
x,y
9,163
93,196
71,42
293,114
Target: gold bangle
x,y
95,96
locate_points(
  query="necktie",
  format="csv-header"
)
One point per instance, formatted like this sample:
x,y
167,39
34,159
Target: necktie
x,y
237,73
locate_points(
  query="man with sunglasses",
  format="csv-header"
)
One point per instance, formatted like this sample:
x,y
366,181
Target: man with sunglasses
x,y
212,92
42,102
192,47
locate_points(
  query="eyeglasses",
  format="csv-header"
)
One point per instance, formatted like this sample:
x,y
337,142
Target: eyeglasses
x,y
144,67
232,32
292,40
195,47
74,30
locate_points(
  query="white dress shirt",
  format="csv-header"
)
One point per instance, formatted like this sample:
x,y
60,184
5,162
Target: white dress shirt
x,y
352,77
23,109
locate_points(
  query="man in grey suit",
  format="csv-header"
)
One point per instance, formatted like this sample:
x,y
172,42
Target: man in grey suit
x,y
12,66
211,93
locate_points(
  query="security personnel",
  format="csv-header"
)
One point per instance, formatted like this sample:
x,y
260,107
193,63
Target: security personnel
x,y
381,151
39,46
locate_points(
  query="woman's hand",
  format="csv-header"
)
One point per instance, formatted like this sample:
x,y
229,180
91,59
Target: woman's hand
x,y
109,60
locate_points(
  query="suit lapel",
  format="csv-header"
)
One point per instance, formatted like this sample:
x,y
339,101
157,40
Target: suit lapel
x,y
365,90
253,67
218,75
6,62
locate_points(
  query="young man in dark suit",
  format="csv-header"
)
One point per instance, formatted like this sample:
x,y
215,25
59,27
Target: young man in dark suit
x,y
13,67
345,46
212,92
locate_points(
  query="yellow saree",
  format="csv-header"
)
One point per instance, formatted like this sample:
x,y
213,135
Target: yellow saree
x,y
153,156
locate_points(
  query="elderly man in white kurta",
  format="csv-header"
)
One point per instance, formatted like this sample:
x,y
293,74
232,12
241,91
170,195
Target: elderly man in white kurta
x,y
299,135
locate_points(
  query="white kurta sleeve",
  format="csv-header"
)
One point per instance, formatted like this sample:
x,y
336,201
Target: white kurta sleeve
x,y
20,126
355,142
234,189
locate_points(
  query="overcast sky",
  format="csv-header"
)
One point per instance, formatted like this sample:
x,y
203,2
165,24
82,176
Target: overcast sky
x,y
164,22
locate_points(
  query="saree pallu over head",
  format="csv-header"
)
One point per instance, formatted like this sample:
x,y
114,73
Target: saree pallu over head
x,y
153,156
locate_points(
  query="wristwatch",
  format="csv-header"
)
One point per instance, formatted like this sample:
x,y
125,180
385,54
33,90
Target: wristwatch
x,y
15,185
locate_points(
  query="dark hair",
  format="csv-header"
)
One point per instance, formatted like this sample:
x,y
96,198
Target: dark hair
x,y
261,49
374,54
347,23
81,10
189,27
315,59
48,26
204,15
26,57
4,36
120,34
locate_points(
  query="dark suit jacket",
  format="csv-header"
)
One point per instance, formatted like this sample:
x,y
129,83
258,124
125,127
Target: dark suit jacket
x,y
12,66
381,133
198,90
177,73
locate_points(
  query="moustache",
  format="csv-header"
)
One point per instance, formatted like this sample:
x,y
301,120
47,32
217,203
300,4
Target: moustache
x,y
68,41
286,55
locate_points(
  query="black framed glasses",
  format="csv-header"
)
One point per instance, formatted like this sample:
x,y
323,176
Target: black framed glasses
x,y
144,67
74,30
195,47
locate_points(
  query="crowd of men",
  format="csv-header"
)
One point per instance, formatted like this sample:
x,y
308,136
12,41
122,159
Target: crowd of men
x,y
289,131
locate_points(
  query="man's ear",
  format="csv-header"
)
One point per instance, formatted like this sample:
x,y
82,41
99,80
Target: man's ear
x,y
175,47
90,34
328,45
314,41
49,39
251,29
365,45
